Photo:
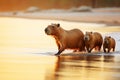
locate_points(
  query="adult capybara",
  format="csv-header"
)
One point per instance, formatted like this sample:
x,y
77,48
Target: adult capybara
x,y
93,40
109,43
66,39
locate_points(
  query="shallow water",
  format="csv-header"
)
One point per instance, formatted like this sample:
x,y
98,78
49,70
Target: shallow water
x,y
88,67
27,53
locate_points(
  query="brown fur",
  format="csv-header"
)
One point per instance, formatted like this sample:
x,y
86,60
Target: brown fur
x,y
109,43
93,40
66,39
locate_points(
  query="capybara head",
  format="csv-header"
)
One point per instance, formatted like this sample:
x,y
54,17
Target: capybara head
x,y
107,39
88,36
52,29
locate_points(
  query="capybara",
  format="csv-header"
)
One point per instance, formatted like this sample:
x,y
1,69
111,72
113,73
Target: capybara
x,y
93,40
109,43
66,39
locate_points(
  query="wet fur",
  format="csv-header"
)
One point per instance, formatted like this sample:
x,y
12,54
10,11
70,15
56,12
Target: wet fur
x,y
109,43
67,39
93,40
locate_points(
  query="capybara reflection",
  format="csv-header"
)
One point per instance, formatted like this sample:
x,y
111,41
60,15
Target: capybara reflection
x,y
93,40
66,39
109,43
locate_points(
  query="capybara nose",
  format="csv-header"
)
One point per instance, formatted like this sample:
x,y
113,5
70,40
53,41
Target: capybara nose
x,y
46,30
85,38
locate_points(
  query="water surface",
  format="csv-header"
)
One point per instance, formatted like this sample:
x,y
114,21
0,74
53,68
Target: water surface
x,y
27,53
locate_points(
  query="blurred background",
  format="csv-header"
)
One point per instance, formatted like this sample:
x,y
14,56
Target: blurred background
x,y
13,5
100,11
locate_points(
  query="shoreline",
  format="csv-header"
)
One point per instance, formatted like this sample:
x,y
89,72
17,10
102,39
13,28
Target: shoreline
x,y
68,20
110,19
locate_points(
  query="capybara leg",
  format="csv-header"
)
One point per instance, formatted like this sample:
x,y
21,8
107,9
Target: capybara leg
x,y
82,49
113,49
105,50
91,48
99,48
108,50
89,51
58,45
58,53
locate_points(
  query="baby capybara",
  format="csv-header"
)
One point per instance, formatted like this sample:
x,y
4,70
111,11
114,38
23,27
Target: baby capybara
x,y
66,39
109,43
93,40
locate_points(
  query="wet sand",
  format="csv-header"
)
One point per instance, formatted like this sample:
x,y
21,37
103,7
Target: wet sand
x,y
27,53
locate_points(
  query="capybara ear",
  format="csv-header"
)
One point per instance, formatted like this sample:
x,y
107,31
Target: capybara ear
x,y
58,25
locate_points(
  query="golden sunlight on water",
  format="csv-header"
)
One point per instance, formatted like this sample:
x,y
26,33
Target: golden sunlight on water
x,y
25,54
25,67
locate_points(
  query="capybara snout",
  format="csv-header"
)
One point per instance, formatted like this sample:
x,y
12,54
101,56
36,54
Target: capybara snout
x,y
52,29
106,41
87,36
48,31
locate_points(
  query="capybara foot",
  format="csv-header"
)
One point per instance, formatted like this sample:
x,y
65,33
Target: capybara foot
x,y
89,51
57,54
